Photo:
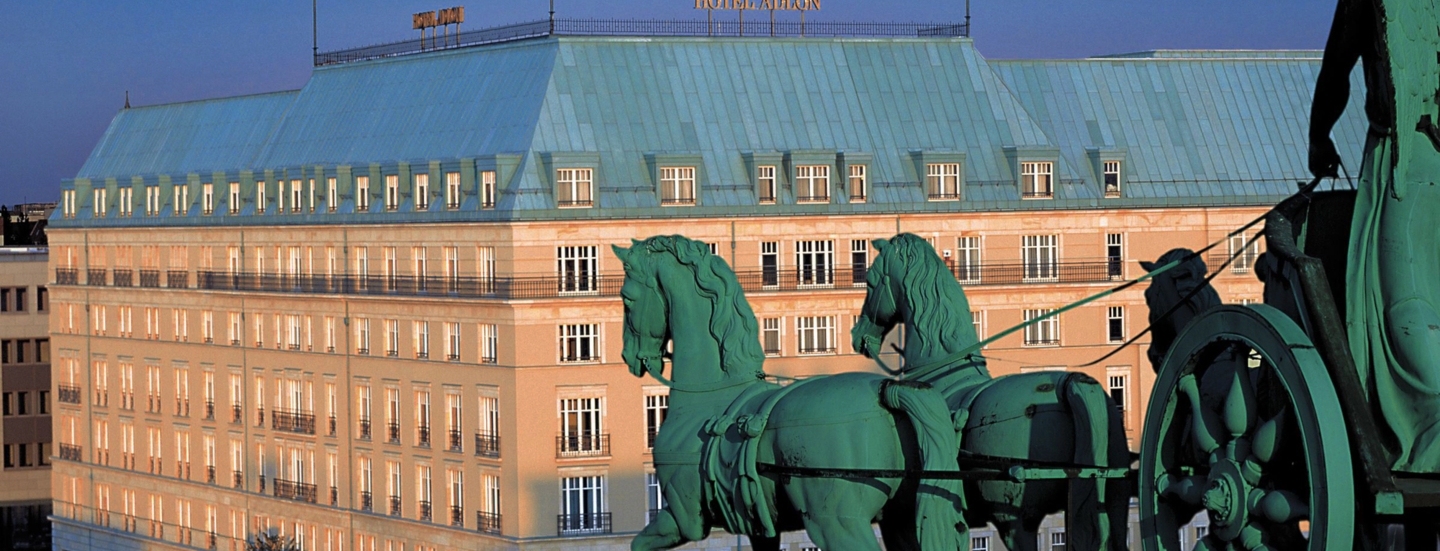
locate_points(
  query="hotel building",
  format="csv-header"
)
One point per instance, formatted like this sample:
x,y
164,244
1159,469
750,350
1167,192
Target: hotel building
x,y
380,312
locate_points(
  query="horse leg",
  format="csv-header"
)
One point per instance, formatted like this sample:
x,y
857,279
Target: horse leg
x,y
837,513
762,543
1117,491
1087,516
661,533
1017,536
897,527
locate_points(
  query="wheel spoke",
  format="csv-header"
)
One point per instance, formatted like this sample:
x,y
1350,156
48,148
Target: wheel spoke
x,y
1252,539
1187,489
1268,437
1239,405
1279,506
1205,423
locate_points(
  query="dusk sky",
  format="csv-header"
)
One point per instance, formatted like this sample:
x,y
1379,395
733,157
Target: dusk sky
x,y
65,65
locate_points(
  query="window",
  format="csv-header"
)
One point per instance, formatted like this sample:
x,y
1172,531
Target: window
x,y
1036,180
859,183
816,334
1041,255
452,341
943,181
330,334
296,197
1115,324
331,193
392,415
67,199
579,343
362,193
582,505
485,268
677,185
100,202
859,261
770,336
234,328
487,437
1044,333
487,189
580,427
422,418
362,336
967,260
207,199
362,410
422,191
573,187
1057,539
765,181
656,406
812,184
182,200
457,496
452,190
1118,379
1245,260
234,197
126,201
392,338
392,192
577,268
489,343
422,340
1112,178
977,321
310,191
259,197
1114,255
770,263
393,486
814,262
653,494
152,200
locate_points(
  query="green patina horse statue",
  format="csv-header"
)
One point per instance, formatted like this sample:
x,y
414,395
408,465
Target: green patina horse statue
x,y
725,420
1037,418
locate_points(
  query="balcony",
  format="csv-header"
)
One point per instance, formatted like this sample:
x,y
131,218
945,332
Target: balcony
x,y
334,496
238,479
392,432
67,276
123,277
424,511
262,482
150,278
260,416
582,445
395,505
236,413
583,524
367,501
182,407
298,491
127,400
364,432
210,410
456,440
422,436
95,277
71,452
487,445
331,427
487,522
177,279
210,474
69,394
293,421
457,516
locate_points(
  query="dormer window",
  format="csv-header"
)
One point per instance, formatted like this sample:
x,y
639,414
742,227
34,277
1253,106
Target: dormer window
x,y
812,184
392,192
1037,180
260,198
1112,179
331,194
574,187
99,202
942,181
67,199
452,190
422,192
234,197
859,183
152,200
207,199
677,185
765,178
362,193
126,200
182,200
295,196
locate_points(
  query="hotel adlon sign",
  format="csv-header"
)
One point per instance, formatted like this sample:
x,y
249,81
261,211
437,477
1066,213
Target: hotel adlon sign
x,y
758,5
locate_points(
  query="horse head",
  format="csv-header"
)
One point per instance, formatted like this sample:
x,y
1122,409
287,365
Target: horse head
x,y
909,283
1167,291
675,290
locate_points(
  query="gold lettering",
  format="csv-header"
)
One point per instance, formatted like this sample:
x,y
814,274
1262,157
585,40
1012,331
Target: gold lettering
x,y
814,4
749,4
767,4
782,4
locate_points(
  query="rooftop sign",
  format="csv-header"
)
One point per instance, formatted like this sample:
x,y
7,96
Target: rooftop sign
x,y
758,5
447,16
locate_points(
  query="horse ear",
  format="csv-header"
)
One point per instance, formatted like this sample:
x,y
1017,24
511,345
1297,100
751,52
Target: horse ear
x,y
1148,266
880,244
622,253
634,242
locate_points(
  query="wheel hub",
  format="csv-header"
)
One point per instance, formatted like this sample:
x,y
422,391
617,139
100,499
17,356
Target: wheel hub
x,y
1225,498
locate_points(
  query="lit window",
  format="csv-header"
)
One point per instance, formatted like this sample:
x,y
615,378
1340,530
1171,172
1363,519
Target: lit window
x,y
579,343
677,185
207,199
574,187
1036,180
1041,255
452,190
126,201
331,193
943,181
1112,178
392,192
812,184
100,201
260,197
182,200
859,183
1044,333
487,189
422,191
816,334
765,181
362,193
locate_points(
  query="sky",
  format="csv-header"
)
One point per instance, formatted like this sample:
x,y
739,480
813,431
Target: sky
x,y
66,65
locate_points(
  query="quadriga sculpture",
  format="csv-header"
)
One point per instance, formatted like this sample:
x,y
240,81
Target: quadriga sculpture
x,y
725,421
1031,418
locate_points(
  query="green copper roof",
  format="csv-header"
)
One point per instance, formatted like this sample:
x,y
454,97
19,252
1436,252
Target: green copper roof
x,y
1190,127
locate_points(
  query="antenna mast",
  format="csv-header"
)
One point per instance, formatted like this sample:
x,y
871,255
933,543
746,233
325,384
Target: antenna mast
x,y
315,32
967,19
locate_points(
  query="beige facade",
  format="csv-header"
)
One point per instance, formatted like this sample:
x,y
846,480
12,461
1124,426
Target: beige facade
x,y
381,416
27,396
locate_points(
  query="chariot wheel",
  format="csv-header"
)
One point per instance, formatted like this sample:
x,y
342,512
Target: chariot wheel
x,y
1245,425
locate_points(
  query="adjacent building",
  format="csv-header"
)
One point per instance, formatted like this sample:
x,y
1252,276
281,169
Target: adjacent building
x,y
380,312
25,398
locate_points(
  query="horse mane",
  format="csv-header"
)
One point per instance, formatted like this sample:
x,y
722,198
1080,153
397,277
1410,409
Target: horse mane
x,y
732,322
1166,290
932,295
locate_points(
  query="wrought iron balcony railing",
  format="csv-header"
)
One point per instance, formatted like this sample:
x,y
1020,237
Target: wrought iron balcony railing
x,y
334,496
150,278
210,474
71,452
582,445
95,277
395,505
177,279
456,440
487,522
122,277
457,515
302,422
69,394
298,491
422,436
367,500
364,432
331,423
487,444
392,432
210,409
236,413
577,524
424,512
67,276
238,478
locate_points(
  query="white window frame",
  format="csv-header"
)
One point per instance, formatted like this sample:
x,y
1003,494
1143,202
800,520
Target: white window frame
x,y
487,189
582,425
677,186
859,180
1044,333
234,197
260,197
579,343
942,181
812,183
1115,315
582,504
392,192
1244,262
1037,180
815,335
207,199
815,263
765,180
1110,175
422,190
575,188
1041,257
332,193
969,259
489,343
452,191
577,267
362,193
